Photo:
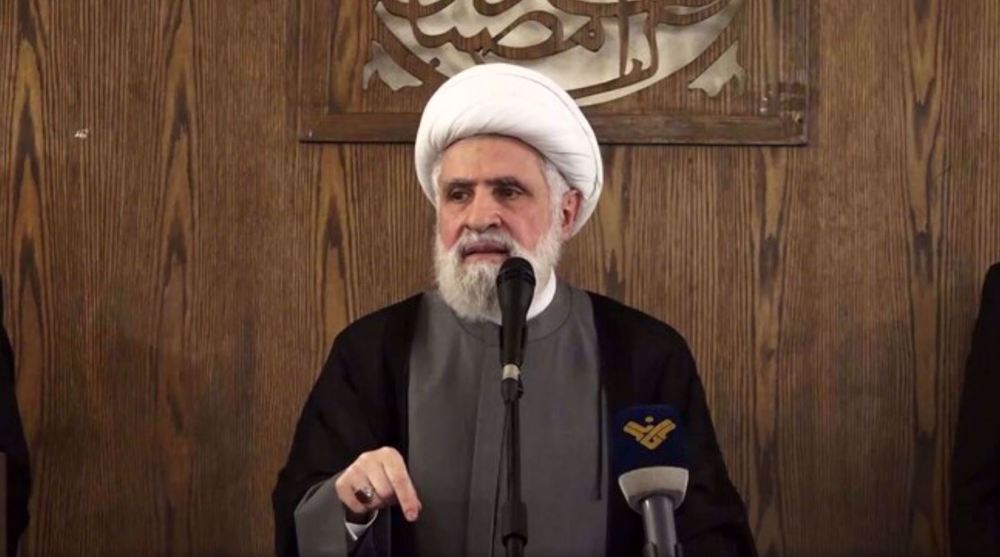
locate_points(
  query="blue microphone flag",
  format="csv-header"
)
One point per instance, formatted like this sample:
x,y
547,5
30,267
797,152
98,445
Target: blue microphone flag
x,y
646,436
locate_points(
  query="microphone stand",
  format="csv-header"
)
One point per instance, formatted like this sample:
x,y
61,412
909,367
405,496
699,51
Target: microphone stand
x,y
514,513
515,286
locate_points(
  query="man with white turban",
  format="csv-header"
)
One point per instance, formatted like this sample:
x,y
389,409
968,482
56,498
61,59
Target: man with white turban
x,y
397,451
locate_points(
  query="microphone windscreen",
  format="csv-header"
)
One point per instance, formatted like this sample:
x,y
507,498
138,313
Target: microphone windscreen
x,y
515,289
647,436
516,268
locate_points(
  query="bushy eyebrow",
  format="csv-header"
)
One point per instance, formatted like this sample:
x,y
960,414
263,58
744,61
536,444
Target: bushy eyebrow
x,y
458,183
497,182
508,181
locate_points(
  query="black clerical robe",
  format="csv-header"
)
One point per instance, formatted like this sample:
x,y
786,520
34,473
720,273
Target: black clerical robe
x,y
975,491
359,403
12,444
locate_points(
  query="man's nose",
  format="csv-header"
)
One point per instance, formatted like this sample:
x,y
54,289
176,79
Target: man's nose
x,y
484,212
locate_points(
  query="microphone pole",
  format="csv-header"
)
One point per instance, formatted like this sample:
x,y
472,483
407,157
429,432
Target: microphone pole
x,y
661,532
515,289
514,513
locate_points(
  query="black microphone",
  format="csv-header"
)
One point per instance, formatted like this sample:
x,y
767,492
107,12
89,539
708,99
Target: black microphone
x,y
515,289
650,461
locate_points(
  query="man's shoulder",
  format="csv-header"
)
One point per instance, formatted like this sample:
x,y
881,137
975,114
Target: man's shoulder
x,y
989,304
992,283
632,325
393,319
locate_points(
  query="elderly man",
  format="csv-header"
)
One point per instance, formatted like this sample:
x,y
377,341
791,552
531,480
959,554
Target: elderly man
x,y
397,450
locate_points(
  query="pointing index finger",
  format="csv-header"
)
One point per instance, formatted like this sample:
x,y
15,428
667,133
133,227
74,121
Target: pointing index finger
x,y
406,494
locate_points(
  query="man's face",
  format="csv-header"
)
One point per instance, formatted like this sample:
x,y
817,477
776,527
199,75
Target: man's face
x,y
494,202
492,183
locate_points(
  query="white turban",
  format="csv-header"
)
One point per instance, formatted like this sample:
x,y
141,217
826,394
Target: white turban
x,y
508,100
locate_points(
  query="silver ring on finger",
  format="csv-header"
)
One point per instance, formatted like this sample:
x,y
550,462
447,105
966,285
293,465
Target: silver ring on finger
x,y
366,494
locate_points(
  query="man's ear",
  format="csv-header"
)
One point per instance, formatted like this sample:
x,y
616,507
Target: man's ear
x,y
571,202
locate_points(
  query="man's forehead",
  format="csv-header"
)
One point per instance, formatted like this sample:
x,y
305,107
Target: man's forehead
x,y
467,152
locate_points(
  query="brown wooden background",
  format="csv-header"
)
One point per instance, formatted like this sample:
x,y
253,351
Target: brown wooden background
x,y
773,37
178,265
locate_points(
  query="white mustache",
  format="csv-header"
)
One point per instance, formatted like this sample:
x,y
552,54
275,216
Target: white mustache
x,y
483,241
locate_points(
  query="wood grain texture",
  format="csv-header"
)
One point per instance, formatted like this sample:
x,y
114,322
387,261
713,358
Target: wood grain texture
x,y
926,198
178,265
769,108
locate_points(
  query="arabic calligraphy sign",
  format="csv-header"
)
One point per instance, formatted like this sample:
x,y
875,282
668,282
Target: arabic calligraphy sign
x,y
645,71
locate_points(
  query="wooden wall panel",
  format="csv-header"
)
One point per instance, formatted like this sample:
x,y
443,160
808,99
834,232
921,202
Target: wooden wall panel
x,y
178,265
158,255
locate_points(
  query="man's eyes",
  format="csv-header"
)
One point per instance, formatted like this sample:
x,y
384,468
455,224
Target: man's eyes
x,y
500,192
458,194
507,192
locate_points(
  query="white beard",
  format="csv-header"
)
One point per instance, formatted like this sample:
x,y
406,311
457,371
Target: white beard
x,y
470,288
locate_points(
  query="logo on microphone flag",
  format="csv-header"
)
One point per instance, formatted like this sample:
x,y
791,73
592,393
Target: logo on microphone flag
x,y
649,435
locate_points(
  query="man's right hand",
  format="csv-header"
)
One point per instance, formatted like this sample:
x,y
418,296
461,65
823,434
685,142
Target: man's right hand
x,y
385,472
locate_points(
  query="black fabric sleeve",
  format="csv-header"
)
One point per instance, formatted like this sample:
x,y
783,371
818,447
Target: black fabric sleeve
x,y
975,493
357,405
331,432
13,445
645,361
712,520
